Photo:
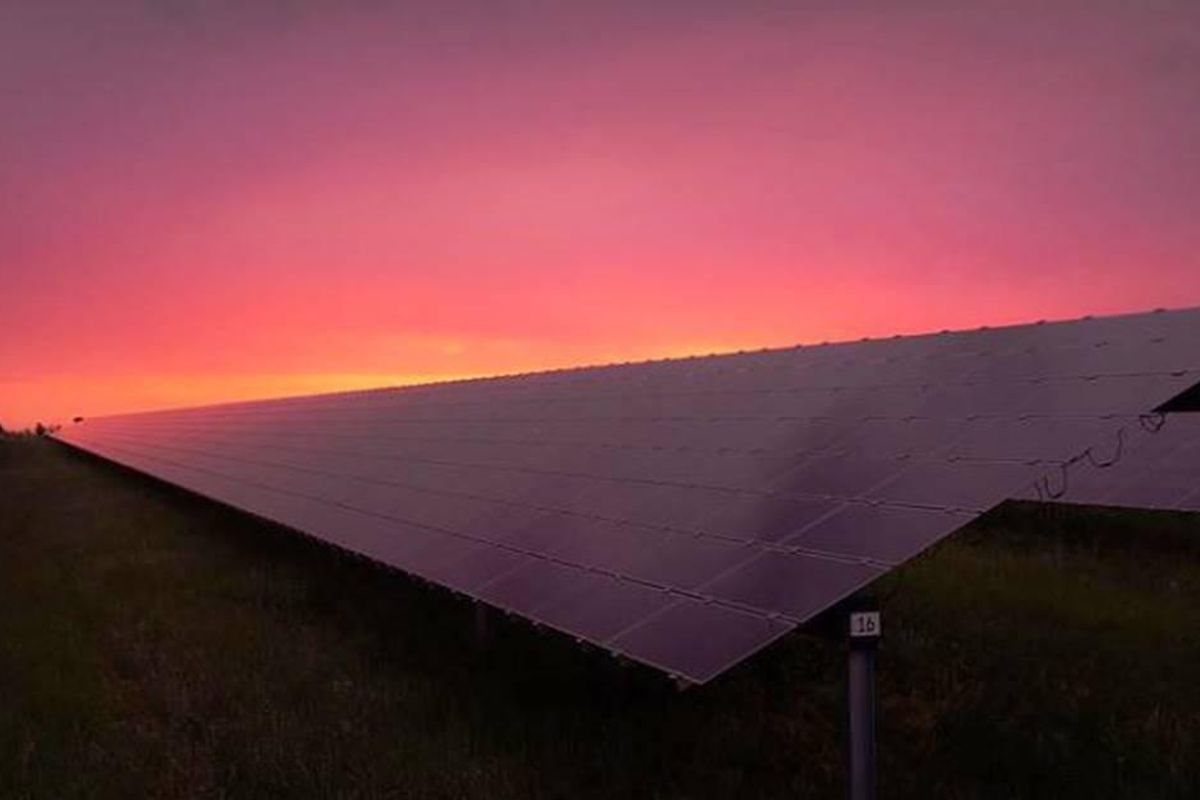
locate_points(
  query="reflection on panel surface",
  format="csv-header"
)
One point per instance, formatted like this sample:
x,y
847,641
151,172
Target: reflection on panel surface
x,y
686,513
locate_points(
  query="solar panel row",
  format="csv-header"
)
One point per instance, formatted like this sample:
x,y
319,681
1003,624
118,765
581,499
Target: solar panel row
x,y
684,513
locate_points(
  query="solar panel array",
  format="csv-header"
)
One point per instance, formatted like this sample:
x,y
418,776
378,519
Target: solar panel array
x,y
683,513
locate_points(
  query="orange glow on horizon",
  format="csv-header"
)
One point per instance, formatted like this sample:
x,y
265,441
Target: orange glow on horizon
x,y
58,399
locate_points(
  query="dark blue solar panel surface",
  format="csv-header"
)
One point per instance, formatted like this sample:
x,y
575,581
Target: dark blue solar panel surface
x,y
686,513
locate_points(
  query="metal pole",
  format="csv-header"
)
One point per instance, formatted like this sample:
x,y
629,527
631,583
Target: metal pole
x,y
864,633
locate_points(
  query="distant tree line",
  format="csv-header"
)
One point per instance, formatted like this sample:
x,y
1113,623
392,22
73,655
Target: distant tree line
x,y
38,429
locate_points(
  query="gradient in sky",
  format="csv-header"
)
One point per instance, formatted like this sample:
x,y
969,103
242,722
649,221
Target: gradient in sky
x,y
202,201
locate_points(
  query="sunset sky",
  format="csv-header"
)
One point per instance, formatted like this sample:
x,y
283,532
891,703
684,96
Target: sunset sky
x,y
203,201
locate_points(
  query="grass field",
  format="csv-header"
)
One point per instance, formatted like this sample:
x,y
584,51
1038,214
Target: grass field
x,y
155,645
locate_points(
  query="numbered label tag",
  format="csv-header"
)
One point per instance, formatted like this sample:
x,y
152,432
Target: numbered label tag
x,y
865,625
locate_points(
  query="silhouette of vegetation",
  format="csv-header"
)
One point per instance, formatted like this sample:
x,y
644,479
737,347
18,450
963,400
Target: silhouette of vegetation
x,y
156,645
18,433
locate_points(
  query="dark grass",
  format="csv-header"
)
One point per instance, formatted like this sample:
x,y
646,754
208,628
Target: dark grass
x,y
156,645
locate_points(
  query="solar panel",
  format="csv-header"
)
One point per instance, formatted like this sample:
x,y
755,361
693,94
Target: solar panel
x,y
1159,468
684,513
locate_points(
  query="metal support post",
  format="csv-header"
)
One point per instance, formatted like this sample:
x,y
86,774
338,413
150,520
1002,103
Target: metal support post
x,y
864,630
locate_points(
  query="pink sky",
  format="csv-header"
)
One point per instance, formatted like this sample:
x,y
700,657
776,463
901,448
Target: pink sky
x,y
210,201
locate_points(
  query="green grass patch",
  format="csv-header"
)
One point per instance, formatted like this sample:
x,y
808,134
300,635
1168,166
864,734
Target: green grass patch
x,y
156,645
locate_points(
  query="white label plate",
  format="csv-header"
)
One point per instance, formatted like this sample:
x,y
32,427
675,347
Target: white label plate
x,y
865,624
